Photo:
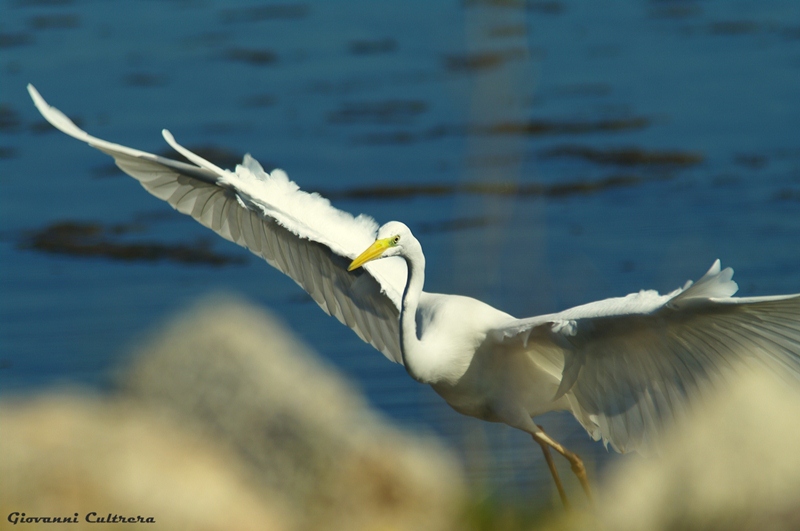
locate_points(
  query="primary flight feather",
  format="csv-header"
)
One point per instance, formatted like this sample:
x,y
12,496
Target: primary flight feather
x,y
625,367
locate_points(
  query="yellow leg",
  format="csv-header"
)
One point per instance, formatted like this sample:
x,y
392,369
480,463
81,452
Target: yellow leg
x,y
552,466
575,462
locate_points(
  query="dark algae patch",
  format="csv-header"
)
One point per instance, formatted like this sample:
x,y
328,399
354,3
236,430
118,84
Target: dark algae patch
x,y
144,79
629,156
400,111
478,61
54,21
787,194
372,46
9,119
548,7
97,241
457,224
258,101
555,127
378,112
251,56
499,188
11,40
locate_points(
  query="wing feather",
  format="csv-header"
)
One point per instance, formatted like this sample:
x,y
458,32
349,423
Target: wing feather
x,y
633,364
298,233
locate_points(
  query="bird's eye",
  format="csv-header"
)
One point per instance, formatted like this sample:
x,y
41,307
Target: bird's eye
x,y
395,240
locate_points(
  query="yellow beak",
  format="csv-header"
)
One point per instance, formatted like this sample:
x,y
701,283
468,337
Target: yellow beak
x,y
373,251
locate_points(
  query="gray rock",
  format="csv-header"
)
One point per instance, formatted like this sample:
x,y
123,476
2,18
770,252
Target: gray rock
x,y
64,454
229,371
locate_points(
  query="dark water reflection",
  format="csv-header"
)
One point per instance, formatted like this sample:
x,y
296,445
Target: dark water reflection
x,y
548,153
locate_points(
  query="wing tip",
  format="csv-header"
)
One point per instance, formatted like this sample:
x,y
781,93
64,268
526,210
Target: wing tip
x,y
44,108
34,94
56,118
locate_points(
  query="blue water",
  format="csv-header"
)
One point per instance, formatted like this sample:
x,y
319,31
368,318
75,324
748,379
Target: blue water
x,y
359,94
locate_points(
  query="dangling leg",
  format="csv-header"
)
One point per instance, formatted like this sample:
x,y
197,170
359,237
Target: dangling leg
x,y
552,466
577,465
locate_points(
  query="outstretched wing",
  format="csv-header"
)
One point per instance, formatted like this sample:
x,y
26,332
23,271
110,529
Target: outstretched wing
x,y
631,364
299,233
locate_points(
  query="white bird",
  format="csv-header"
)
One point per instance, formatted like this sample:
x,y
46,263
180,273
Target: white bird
x,y
625,367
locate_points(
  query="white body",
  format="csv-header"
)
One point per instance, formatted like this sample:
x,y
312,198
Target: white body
x,y
624,366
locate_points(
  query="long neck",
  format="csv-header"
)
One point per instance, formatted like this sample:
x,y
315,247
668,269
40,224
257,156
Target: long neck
x,y
410,345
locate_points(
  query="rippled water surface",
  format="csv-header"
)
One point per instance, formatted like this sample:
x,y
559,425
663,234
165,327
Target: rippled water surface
x,y
547,153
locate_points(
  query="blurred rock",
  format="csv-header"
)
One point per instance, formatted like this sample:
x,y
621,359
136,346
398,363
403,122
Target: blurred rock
x,y
734,465
223,421
229,371
62,454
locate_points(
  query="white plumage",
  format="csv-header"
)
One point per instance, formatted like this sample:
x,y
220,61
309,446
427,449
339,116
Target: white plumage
x,y
299,233
625,367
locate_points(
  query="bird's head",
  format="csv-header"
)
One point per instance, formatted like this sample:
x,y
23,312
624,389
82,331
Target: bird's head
x,y
393,238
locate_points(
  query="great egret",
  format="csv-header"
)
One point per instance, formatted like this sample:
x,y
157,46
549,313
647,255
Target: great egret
x,y
623,366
